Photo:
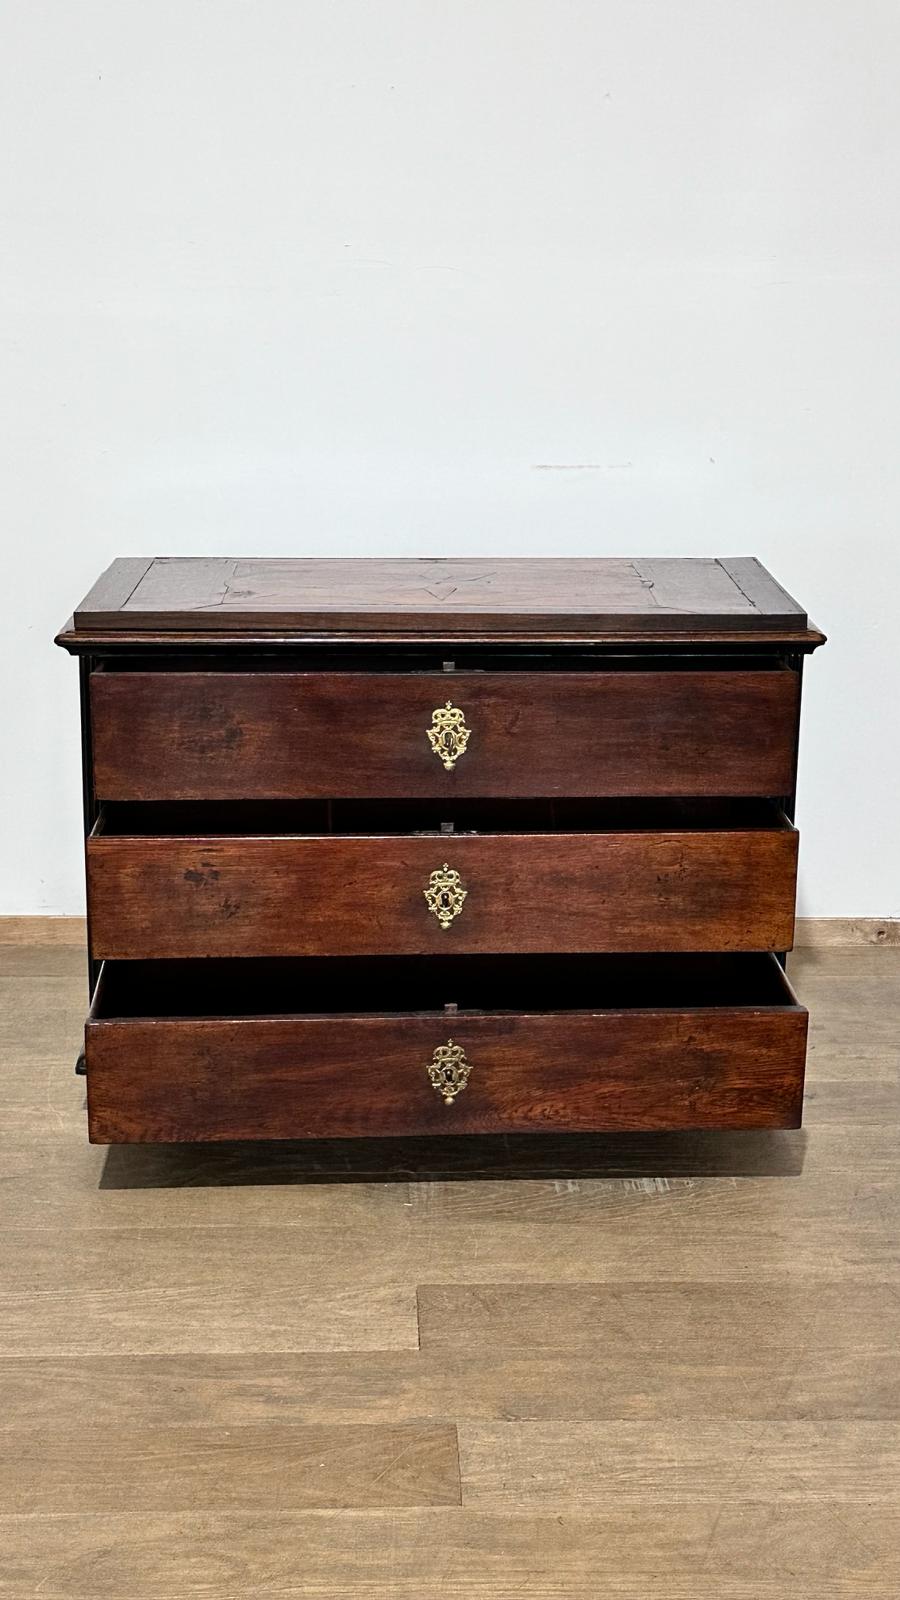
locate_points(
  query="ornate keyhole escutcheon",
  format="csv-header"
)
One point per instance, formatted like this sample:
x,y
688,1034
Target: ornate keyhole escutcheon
x,y
449,1071
445,894
448,734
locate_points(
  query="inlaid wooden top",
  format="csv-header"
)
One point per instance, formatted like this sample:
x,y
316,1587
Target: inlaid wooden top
x,y
580,598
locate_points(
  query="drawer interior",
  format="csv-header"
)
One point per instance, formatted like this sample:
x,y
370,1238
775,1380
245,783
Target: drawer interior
x,y
315,818
317,986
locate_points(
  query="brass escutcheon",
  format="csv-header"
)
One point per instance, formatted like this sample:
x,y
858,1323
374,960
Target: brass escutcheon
x,y
445,894
449,1070
448,734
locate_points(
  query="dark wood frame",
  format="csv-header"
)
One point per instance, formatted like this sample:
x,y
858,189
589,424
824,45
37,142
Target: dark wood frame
x,y
774,632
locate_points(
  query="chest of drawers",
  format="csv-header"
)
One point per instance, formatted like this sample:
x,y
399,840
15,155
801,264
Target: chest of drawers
x,y
389,847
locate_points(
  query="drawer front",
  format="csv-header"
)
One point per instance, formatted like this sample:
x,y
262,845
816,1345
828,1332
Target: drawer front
x,y
228,896
286,735
299,1077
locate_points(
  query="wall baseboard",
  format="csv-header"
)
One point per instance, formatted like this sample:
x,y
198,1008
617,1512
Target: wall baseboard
x,y
822,932
43,930
812,932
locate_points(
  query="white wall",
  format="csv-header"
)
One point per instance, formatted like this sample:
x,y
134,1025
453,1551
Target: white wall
x,y
454,276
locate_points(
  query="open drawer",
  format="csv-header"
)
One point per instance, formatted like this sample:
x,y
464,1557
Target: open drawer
x,y
316,1048
425,878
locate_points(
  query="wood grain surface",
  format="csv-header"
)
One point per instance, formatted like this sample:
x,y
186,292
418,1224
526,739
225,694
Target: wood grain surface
x,y
290,1465
301,1077
207,593
290,735
668,1361
175,896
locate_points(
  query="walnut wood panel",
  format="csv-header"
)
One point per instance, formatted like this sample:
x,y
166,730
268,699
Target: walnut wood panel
x,y
292,896
207,594
117,584
294,1077
237,735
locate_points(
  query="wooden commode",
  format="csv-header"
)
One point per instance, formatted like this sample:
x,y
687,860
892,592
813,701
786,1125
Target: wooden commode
x,y
419,846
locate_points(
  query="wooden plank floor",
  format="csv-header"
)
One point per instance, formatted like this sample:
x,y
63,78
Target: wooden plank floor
x,y
658,1368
